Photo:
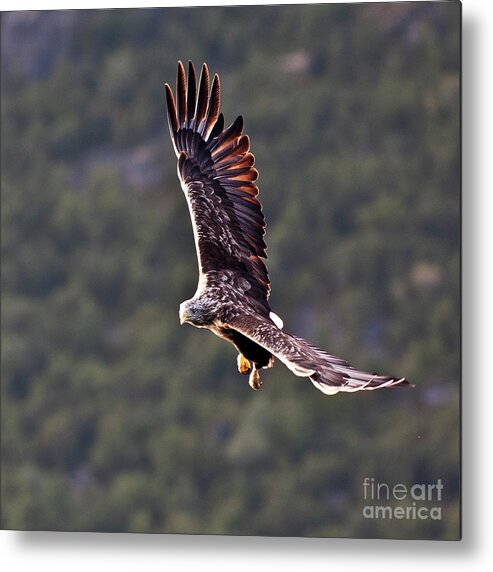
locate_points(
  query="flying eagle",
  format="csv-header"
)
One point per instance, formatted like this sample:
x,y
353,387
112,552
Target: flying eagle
x,y
215,168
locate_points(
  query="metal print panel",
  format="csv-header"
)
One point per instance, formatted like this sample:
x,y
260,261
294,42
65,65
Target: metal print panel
x,y
284,177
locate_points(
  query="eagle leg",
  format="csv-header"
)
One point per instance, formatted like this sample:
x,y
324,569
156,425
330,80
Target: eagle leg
x,y
254,380
244,366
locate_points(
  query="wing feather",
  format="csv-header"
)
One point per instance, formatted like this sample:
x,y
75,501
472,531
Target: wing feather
x,y
218,127
181,90
202,100
213,110
229,135
215,167
191,94
330,374
172,117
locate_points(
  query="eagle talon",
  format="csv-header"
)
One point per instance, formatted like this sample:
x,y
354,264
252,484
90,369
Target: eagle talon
x,y
244,366
254,380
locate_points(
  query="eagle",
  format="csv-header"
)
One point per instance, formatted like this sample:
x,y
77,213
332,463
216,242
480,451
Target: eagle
x,y
217,175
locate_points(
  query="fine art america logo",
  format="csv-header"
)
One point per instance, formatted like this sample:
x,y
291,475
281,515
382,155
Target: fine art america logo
x,y
410,502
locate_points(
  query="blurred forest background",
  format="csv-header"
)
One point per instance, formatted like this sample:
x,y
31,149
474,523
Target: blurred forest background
x,y
115,418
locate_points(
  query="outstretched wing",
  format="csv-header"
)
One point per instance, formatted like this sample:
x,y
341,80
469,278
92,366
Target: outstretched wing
x,y
328,373
216,172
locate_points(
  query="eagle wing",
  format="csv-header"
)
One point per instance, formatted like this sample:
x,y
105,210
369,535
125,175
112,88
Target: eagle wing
x,y
216,171
330,374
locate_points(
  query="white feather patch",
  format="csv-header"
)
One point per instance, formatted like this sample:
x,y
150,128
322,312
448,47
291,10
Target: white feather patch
x,y
277,320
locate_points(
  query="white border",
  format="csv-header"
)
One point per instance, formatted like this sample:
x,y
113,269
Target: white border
x,y
82,552
60,4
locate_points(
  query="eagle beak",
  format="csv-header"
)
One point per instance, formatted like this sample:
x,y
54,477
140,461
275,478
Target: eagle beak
x,y
183,316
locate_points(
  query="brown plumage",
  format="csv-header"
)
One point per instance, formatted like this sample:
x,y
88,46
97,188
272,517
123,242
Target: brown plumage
x,y
217,174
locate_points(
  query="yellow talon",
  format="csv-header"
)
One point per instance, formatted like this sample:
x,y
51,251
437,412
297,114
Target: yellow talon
x,y
244,366
254,380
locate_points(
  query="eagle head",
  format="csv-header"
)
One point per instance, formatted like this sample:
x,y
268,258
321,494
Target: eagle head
x,y
195,312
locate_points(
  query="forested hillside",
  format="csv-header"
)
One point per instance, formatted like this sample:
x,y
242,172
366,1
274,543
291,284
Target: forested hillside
x,y
115,418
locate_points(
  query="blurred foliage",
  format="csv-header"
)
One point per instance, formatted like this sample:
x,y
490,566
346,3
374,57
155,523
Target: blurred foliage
x,y
116,419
